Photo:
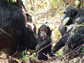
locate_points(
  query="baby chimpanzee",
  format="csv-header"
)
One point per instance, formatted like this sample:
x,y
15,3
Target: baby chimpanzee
x,y
44,38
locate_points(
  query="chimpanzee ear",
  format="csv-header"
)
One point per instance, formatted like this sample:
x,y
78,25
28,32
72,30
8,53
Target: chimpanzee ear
x,y
51,31
73,10
37,29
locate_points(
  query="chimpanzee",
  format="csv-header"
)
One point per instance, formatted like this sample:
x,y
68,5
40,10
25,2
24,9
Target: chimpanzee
x,y
31,28
13,31
29,22
73,40
71,13
44,38
31,40
28,18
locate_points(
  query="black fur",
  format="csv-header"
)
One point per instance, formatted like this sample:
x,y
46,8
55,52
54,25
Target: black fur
x,y
44,43
13,31
72,40
70,12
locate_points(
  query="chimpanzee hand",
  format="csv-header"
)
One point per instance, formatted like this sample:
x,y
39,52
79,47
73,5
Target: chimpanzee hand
x,y
37,47
45,37
30,26
62,29
52,52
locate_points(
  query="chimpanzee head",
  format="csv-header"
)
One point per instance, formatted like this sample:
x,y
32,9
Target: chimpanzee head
x,y
43,31
70,12
67,49
79,20
29,17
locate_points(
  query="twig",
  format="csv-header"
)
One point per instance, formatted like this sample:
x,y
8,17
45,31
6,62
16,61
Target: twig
x,y
48,56
5,32
51,43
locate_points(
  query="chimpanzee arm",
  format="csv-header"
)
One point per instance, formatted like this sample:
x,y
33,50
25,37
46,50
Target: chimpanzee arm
x,y
77,37
44,43
60,44
62,29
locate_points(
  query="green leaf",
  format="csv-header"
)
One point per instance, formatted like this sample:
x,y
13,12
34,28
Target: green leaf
x,y
83,51
83,24
13,1
33,56
68,28
56,34
56,31
60,52
65,20
16,59
23,52
10,0
77,3
25,58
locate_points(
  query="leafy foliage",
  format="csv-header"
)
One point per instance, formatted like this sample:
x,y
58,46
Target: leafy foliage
x,y
65,20
83,50
10,0
23,52
13,1
77,3
25,57
60,52
56,34
68,28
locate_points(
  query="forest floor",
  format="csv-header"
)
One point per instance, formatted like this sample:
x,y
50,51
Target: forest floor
x,y
29,57
47,12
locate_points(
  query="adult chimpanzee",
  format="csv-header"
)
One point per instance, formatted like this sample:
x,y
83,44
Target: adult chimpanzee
x,y
71,13
28,18
31,40
44,38
73,40
13,31
29,22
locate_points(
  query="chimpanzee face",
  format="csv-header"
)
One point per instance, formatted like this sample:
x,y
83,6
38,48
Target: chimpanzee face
x,y
70,12
79,20
43,32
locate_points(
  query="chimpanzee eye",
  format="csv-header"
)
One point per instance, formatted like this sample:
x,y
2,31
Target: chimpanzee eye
x,y
64,12
46,30
41,30
77,22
